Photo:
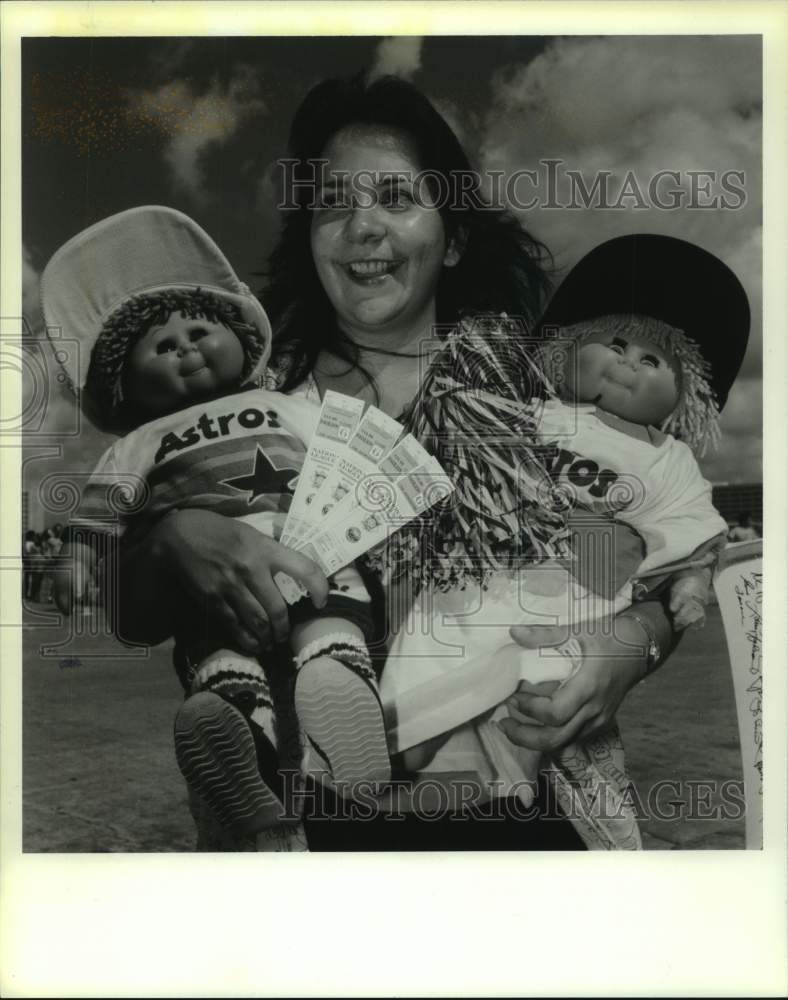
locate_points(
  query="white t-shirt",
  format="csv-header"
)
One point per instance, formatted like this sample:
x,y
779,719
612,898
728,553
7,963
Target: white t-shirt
x,y
453,659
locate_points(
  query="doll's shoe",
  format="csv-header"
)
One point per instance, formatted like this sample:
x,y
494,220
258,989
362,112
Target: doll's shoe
x,y
341,715
217,755
284,838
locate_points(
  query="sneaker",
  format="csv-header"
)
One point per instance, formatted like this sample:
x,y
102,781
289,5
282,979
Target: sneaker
x,y
217,756
342,718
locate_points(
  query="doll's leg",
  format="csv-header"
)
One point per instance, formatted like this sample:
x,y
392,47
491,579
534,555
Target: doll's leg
x,y
416,758
338,703
224,736
241,681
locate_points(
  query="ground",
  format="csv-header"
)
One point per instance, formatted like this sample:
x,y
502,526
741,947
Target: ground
x,y
99,772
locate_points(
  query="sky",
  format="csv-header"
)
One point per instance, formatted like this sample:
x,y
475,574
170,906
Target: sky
x,y
199,123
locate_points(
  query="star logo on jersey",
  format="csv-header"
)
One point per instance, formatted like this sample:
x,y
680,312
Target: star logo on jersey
x,y
266,479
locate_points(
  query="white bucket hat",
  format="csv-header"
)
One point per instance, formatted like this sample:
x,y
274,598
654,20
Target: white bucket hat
x,y
137,252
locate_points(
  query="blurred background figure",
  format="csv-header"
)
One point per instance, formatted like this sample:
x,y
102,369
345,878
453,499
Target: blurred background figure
x,y
51,545
31,567
744,531
39,554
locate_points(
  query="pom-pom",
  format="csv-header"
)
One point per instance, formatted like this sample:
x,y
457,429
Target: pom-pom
x,y
478,411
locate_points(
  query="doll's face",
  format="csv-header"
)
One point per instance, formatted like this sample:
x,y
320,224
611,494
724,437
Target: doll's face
x,y
627,375
181,362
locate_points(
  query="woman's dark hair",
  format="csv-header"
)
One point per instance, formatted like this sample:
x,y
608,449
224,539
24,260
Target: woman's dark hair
x,y
502,266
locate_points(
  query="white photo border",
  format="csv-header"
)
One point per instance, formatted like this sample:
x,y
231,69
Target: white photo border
x,y
678,923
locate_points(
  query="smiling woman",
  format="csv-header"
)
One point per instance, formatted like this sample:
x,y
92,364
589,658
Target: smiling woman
x,y
375,269
375,250
375,266
379,252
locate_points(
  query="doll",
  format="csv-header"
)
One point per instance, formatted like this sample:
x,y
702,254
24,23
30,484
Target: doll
x,y
175,352
634,360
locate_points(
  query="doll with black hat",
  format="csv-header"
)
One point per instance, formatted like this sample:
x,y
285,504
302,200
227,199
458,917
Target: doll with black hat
x,y
640,346
659,328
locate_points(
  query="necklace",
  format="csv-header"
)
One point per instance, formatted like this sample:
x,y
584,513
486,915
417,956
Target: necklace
x,y
400,354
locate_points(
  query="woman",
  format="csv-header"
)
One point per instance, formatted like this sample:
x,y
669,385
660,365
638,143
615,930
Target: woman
x,y
373,259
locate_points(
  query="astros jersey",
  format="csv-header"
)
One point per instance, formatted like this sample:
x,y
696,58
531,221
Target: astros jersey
x,y
658,489
239,456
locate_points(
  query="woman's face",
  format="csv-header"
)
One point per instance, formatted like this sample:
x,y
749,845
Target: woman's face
x,y
378,241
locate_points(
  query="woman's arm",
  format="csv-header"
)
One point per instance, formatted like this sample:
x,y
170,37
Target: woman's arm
x,y
222,567
641,641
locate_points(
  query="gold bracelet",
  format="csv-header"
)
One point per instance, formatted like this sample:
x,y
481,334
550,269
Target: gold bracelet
x,y
653,650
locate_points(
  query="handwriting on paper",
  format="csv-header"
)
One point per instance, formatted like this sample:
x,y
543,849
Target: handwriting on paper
x,y
748,594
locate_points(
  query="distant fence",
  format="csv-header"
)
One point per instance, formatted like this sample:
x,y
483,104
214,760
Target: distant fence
x,y
732,499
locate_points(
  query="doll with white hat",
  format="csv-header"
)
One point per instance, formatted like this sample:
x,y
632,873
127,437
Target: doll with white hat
x,y
173,358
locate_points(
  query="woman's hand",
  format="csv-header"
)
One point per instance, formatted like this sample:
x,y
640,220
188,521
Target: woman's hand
x,y
547,717
225,567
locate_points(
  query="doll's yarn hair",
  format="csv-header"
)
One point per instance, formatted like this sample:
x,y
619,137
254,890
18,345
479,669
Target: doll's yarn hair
x,y
695,420
102,398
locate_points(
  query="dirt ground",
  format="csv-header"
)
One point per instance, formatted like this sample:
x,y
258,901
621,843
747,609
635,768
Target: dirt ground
x,y
99,773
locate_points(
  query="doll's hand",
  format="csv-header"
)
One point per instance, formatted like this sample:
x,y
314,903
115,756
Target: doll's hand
x,y
543,717
688,598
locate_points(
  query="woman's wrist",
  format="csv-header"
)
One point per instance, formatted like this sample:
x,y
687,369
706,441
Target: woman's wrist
x,y
647,626
649,650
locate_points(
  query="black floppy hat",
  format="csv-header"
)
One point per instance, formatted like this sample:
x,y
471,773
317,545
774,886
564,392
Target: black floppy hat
x,y
672,280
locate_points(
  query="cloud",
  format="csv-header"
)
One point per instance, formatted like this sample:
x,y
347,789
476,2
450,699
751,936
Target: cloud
x,y
740,456
740,460
462,121
48,473
633,104
173,56
746,261
398,57
269,192
633,107
195,122
59,441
